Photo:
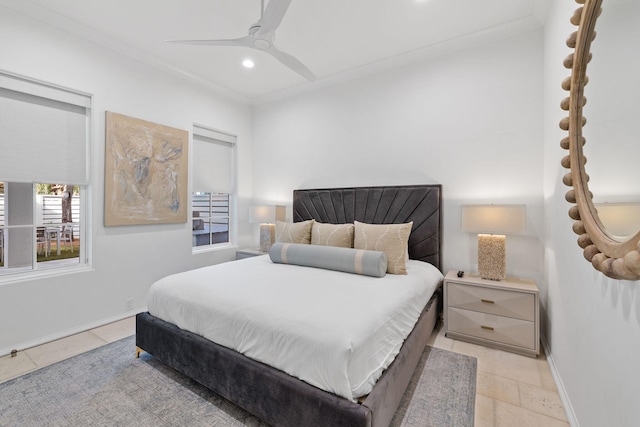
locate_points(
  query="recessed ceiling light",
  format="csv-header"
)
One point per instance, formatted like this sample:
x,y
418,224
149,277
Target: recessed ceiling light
x,y
248,63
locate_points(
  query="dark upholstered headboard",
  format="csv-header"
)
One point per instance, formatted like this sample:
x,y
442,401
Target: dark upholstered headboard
x,y
381,205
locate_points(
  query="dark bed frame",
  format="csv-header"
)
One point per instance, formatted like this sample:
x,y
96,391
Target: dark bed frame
x,y
278,398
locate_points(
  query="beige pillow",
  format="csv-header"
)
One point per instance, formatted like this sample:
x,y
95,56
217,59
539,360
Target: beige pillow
x,y
392,239
340,235
297,232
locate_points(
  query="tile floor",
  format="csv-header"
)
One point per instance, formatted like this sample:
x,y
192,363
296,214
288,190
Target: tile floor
x,y
511,390
46,354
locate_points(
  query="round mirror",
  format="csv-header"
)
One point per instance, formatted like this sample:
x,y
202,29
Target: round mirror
x,y
614,255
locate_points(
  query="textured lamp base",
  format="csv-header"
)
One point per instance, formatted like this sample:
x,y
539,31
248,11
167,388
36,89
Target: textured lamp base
x,y
267,236
492,256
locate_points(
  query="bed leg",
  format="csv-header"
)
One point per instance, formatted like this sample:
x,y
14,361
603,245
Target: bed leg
x,y
138,351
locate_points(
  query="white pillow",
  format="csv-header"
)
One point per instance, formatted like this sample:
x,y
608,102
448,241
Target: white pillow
x,y
297,232
340,235
392,239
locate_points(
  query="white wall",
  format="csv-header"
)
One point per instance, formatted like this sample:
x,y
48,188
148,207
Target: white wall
x,y
594,322
471,121
126,260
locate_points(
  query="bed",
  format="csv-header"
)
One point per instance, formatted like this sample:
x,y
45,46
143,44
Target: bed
x,y
284,400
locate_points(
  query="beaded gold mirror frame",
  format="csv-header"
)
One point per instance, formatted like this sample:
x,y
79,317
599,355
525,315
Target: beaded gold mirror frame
x,y
616,259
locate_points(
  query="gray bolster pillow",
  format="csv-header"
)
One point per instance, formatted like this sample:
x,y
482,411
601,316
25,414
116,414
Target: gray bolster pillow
x,y
349,260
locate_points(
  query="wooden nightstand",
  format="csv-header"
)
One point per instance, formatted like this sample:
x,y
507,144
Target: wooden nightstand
x,y
502,314
249,252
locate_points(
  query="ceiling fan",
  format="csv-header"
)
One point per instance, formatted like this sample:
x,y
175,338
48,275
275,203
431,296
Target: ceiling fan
x,y
261,37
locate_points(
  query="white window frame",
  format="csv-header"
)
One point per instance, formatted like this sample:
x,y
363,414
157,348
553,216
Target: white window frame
x,y
212,133
51,91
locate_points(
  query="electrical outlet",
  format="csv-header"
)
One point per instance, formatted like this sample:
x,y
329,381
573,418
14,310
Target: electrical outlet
x,y
129,304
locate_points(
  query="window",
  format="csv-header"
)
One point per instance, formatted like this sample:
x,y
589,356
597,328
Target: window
x,y
47,230
210,218
213,187
43,175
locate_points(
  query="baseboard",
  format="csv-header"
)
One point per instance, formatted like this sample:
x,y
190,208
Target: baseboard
x,y
68,332
566,402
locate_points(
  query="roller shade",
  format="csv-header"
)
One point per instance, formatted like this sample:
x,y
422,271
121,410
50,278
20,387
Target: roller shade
x,y
213,160
43,133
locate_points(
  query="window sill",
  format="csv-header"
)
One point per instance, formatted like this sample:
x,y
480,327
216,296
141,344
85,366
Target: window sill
x,y
42,273
213,248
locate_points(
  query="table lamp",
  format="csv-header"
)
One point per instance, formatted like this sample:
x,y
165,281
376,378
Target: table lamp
x,y
492,223
267,215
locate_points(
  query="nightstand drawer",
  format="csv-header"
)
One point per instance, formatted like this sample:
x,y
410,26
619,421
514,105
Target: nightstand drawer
x,y
517,305
504,330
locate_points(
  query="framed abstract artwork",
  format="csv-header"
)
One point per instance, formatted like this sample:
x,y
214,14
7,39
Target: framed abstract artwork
x,y
145,172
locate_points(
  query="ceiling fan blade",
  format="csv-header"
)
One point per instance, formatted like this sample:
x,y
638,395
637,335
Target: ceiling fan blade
x,y
273,14
292,63
242,41
261,36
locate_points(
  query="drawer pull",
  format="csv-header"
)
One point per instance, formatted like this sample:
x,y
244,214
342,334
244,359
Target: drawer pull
x,y
488,328
487,301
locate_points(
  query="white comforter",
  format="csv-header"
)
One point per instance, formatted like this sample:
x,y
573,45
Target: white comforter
x,y
337,331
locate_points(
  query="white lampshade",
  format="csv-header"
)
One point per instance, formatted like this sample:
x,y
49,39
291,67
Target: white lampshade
x,y
621,220
491,223
493,219
266,214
